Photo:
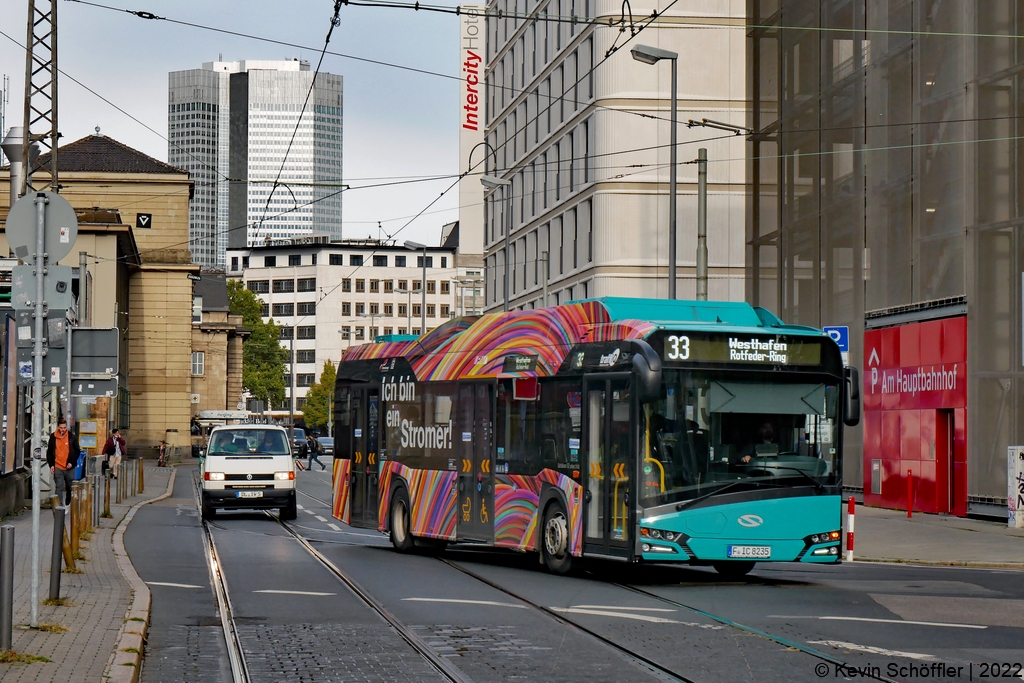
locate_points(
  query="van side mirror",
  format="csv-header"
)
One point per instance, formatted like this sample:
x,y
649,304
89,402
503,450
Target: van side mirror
x,y
851,404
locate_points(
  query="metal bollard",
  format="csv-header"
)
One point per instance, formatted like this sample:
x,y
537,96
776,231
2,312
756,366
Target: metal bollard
x,y
6,586
55,552
117,484
132,476
142,476
88,503
97,499
69,559
74,517
106,496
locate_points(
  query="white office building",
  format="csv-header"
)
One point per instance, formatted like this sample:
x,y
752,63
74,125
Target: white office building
x,y
232,125
328,296
582,131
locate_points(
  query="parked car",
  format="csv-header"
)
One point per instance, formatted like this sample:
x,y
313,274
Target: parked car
x,y
328,443
299,448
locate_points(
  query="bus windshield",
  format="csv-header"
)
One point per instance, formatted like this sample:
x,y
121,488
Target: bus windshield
x,y
712,430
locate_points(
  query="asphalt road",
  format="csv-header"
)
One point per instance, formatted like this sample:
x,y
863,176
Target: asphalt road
x,y
480,610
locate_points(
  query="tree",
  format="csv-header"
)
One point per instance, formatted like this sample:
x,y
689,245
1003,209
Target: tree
x,y
320,398
263,359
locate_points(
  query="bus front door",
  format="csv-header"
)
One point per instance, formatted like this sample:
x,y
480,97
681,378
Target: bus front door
x,y
365,457
476,472
609,470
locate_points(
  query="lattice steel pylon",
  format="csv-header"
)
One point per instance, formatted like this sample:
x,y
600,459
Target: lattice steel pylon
x,y
41,92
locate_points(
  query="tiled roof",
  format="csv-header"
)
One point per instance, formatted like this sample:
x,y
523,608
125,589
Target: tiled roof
x,y
101,154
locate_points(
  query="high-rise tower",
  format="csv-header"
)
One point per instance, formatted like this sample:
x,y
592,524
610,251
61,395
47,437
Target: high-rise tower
x,y
230,125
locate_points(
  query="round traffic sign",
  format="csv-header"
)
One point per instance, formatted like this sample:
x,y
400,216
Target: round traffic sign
x,y
60,226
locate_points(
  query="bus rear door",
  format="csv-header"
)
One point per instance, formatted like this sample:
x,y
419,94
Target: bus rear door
x,y
607,431
476,465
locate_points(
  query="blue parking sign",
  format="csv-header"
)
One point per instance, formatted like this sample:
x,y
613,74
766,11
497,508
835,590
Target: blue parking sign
x,y
840,335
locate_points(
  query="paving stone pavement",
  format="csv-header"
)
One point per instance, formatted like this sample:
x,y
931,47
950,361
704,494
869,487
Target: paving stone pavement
x,y
99,598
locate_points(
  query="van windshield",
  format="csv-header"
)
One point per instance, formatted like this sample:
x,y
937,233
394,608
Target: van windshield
x,y
249,441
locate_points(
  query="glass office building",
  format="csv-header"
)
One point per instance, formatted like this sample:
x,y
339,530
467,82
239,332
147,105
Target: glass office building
x,y
885,188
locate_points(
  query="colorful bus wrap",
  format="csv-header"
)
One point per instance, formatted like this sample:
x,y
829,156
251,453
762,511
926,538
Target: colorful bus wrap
x,y
644,430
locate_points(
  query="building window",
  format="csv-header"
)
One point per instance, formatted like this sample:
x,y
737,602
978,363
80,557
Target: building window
x,y
197,309
307,308
389,310
295,259
374,285
305,356
403,284
346,285
269,261
387,331
430,311
360,309
360,333
284,286
307,332
286,331
264,310
402,310
431,287
380,261
234,263
446,311
307,284
245,262
284,310
416,308
360,285
346,308
346,332
416,286
446,288
399,262
444,261
300,402
374,309
305,379
430,262
337,259
259,286
389,286
198,363
355,259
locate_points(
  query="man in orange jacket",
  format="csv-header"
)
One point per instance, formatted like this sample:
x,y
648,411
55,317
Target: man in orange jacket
x,y
62,455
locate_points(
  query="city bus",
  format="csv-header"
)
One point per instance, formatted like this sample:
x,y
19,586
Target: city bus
x,y
707,433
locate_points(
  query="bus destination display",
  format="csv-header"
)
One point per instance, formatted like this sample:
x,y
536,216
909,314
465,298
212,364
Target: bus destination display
x,y
742,349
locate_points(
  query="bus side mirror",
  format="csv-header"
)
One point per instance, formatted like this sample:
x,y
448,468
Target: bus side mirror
x,y
647,365
851,406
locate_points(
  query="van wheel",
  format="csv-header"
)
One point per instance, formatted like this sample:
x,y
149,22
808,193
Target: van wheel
x,y
289,512
207,510
401,521
733,570
555,542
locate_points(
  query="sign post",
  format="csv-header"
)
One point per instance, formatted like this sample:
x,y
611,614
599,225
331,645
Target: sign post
x,y
1015,487
44,225
840,334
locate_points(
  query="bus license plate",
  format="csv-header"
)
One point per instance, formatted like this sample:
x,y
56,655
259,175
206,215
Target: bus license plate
x,y
250,494
760,552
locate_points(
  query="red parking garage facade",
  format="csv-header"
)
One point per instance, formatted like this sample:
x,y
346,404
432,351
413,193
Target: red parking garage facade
x,y
915,415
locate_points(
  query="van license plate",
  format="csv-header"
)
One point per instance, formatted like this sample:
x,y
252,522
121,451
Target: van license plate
x,y
760,552
249,494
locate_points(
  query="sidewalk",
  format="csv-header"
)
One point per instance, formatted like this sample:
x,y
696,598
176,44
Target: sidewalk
x,y
100,597
888,536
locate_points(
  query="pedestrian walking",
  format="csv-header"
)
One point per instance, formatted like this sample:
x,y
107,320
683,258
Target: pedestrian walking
x,y
62,455
313,449
114,449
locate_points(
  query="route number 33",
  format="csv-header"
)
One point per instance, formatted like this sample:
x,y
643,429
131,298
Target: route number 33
x,y
678,347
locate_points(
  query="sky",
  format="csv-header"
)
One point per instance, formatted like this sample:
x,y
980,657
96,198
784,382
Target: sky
x,y
397,123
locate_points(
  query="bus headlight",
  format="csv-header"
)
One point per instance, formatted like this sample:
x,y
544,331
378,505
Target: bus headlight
x,y
660,535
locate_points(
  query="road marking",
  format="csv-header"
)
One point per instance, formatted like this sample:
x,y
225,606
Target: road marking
x,y
878,621
322,519
173,585
335,527
632,609
455,601
309,512
609,613
299,507
278,592
872,650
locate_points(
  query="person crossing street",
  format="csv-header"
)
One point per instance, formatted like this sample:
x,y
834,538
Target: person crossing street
x,y
313,449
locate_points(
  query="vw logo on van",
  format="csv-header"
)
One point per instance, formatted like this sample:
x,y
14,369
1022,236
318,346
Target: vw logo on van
x,y
249,477
750,521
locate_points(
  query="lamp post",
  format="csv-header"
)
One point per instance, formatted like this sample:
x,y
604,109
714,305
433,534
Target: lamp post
x,y
414,246
653,55
491,182
373,317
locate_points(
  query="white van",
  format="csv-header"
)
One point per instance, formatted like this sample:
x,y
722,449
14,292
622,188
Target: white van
x,y
248,467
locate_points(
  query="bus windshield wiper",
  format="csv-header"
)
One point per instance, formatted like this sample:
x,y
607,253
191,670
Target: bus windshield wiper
x,y
687,503
817,484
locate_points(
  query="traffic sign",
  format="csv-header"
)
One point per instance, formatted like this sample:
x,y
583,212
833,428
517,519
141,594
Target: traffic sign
x,y
94,387
60,227
840,335
57,287
94,353
55,367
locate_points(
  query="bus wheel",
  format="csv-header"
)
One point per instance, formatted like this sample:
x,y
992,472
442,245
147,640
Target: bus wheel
x,y
556,540
733,570
401,537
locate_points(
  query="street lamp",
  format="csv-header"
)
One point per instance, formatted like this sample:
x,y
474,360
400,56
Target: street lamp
x,y
491,182
372,317
653,55
414,246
